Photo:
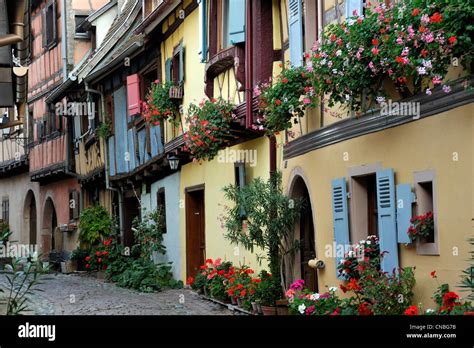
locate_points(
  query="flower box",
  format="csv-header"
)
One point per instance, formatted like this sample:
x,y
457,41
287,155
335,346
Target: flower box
x,y
176,92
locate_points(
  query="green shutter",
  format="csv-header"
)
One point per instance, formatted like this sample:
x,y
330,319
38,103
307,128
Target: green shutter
x,y
386,220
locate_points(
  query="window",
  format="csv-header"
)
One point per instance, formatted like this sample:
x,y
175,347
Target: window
x,y
6,210
174,66
363,202
230,23
426,202
239,172
73,205
161,205
81,33
49,25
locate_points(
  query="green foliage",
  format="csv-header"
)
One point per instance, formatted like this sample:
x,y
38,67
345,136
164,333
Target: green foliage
x,y
23,280
467,281
159,107
105,129
95,223
271,216
148,233
209,124
286,99
268,290
5,232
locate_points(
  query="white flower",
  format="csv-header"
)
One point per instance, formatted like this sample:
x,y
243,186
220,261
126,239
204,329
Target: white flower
x,y
428,91
429,310
421,70
301,308
338,53
350,253
427,64
315,296
341,262
348,97
323,62
380,99
334,71
368,242
362,241
332,289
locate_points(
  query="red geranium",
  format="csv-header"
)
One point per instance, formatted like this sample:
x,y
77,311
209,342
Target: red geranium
x,y
412,310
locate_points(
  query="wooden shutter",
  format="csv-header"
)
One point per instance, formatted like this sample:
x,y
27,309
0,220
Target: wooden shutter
x,y
133,94
405,199
340,217
386,219
55,19
168,70
44,28
240,182
236,21
181,64
295,32
352,5
203,29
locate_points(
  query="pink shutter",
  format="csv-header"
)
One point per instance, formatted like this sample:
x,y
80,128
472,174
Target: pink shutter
x,y
133,94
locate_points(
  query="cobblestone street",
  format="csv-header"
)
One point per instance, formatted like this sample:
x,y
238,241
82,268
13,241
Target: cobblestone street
x,y
84,295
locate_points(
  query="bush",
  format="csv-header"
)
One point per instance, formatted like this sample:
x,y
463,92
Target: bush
x,y
95,223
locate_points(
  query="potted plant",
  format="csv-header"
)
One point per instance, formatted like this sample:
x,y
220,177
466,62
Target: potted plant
x,y
159,107
209,125
286,99
95,223
267,293
422,227
79,257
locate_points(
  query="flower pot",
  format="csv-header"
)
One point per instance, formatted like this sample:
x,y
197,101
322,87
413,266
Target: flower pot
x,y
282,307
239,302
100,274
68,267
206,291
259,307
267,310
233,300
254,307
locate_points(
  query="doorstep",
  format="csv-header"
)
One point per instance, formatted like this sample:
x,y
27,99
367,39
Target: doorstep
x,y
228,305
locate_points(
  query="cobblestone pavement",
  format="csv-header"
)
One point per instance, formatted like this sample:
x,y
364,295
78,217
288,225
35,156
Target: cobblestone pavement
x,y
85,295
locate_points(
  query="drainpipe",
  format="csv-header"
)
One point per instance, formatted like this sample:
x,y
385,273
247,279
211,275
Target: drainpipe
x,y
106,161
248,64
64,39
17,26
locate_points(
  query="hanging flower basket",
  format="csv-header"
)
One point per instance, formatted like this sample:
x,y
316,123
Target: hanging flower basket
x,y
285,101
209,125
160,105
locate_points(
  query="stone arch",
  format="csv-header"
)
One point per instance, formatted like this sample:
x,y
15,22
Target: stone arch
x,y
30,218
304,232
51,236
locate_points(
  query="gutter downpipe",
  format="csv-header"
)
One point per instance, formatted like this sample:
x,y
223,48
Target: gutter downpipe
x,y
106,161
18,26
248,63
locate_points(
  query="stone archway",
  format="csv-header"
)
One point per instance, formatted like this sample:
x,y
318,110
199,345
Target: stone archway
x,y
304,232
30,218
51,236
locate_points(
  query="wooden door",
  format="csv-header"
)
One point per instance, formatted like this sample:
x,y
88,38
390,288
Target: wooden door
x,y
308,251
195,236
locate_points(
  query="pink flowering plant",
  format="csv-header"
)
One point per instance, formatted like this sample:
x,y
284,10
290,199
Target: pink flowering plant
x,y
365,254
209,125
411,43
422,226
285,100
304,302
158,106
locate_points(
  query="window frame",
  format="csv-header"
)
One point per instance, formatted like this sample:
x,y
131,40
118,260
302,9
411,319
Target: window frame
x,y
161,202
422,177
6,210
50,42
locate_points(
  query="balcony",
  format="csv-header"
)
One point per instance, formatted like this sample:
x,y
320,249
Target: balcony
x,y
13,155
49,159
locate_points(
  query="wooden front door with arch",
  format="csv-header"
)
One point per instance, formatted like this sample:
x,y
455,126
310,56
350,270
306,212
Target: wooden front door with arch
x,y
195,227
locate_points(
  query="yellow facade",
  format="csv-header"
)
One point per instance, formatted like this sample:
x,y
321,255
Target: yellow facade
x,y
428,143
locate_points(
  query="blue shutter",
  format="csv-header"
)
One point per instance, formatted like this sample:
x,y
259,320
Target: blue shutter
x,y
352,5
340,217
181,64
168,70
405,198
236,21
203,19
387,219
295,32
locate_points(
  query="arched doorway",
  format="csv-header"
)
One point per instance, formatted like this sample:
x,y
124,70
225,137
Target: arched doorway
x,y
52,240
304,232
30,218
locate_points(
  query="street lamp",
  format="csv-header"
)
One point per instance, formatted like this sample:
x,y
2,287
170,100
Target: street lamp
x,y
173,161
